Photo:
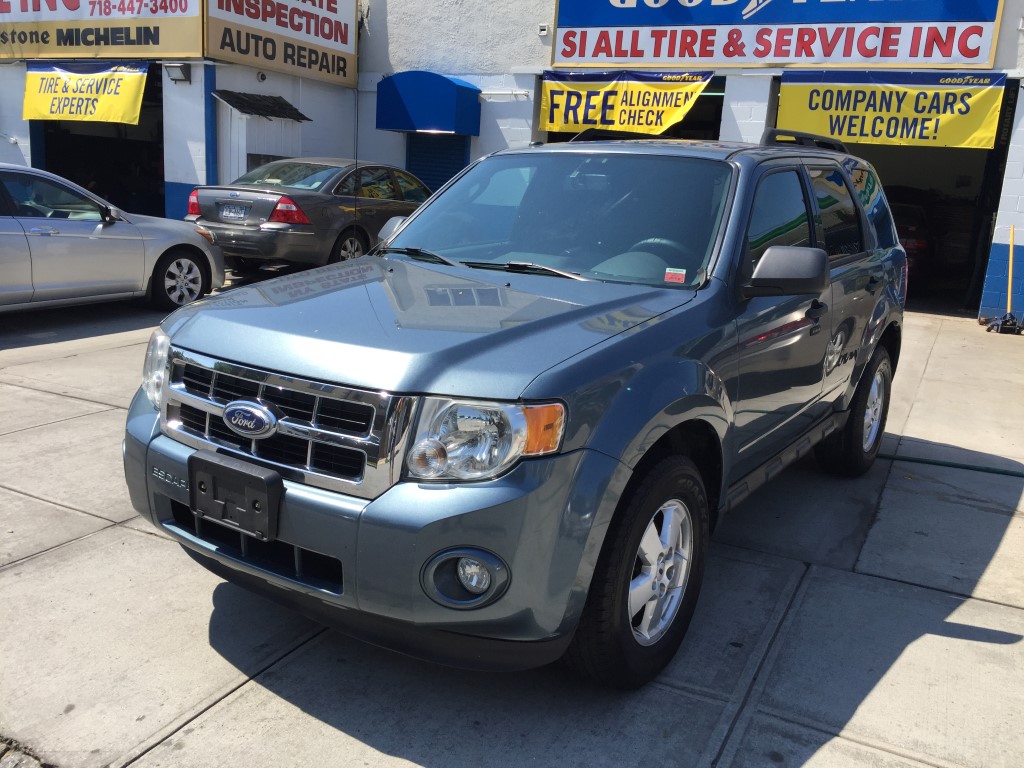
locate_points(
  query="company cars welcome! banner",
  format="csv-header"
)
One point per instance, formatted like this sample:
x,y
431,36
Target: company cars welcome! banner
x,y
909,109
796,33
642,102
91,92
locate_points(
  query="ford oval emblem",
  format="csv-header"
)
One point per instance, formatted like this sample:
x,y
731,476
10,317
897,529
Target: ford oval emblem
x,y
249,419
234,194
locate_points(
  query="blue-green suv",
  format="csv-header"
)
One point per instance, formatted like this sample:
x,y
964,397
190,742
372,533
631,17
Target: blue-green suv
x,y
506,435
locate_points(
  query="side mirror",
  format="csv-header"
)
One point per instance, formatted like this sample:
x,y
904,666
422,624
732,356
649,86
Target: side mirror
x,y
390,227
109,214
789,271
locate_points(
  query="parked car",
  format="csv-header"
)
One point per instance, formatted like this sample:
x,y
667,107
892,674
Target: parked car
x,y
508,434
304,210
60,244
916,238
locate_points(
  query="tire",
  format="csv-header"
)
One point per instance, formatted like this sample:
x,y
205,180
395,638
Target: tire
x,y
351,244
851,451
179,279
625,643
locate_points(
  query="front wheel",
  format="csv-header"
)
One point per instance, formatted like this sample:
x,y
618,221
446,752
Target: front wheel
x,y
647,579
852,450
178,279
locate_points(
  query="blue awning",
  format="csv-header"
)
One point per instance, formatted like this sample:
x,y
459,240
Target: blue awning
x,y
427,101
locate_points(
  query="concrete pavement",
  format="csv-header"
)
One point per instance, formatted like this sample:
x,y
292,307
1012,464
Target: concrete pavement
x,y
875,622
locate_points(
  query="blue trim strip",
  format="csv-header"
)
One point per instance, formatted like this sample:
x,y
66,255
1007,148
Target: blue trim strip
x,y
176,199
937,79
626,76
210,111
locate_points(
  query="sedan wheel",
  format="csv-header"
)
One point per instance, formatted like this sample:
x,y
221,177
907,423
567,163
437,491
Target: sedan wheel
x,y
350,245
178,280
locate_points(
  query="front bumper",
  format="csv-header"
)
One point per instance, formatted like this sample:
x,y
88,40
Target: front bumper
x,y
369,556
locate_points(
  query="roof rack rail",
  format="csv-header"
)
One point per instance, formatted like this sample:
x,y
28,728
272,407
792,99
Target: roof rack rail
x,y
598,134
772,136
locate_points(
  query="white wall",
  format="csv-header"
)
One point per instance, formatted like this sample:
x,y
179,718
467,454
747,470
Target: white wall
x,y
745,110
12,94
185,129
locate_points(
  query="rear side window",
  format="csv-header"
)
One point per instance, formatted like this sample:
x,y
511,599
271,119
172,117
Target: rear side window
x,y
838,212
869,192
779,214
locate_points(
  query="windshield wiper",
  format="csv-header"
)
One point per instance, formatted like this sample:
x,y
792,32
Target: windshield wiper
x,y
525,267
420,254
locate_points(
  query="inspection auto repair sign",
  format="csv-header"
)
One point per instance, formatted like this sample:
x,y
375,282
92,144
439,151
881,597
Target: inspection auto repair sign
x,y
309,38
920,109
100,29
642,102
795,33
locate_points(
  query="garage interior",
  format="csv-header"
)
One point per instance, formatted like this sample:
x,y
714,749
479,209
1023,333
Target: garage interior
x,y
119,162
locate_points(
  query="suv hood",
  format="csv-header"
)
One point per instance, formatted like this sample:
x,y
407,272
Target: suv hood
x,y
387,323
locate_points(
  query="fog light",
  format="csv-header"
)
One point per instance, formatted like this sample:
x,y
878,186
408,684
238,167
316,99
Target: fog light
x,y
473,575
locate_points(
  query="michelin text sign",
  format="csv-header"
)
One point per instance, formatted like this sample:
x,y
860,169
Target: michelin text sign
x,y
642,102
796,33
909,109
84,91
100,29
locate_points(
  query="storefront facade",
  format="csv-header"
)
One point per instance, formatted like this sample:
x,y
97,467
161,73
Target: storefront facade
x,y
926,91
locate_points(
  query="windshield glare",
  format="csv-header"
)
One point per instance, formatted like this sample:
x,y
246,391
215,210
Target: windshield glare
x,y
285,173
618,217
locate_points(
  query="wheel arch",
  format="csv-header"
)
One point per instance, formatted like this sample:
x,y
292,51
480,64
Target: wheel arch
x,y
200,256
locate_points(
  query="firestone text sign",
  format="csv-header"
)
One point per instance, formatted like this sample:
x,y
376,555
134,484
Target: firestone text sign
x,y
308,38
795,33
100,29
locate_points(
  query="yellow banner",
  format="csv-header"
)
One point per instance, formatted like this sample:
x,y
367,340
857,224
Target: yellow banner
x,y
640,102
921,110
110,95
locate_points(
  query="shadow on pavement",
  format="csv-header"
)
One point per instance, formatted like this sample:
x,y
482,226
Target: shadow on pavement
x,y
883,658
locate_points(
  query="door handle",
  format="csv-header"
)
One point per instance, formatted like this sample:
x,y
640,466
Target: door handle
x,y
43,231
817,310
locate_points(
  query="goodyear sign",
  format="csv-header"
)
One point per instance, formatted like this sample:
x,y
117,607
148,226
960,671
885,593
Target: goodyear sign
x,y
908,109
642,102
811,34
84,91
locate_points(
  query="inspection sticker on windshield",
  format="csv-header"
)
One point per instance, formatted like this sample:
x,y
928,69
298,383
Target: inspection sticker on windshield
x,y
675,275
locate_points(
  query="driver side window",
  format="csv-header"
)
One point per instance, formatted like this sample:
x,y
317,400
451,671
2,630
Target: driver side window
x,y
778,215
38,197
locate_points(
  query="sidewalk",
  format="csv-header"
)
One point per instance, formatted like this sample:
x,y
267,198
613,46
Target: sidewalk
x,y
875,622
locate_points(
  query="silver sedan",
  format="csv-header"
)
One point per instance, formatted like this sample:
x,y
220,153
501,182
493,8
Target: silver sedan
x,y
60,244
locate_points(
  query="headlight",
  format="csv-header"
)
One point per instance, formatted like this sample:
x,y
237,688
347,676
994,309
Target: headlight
x,y
154,370
470,440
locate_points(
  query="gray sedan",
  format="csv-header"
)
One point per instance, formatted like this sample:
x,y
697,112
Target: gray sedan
x,y
304,210
60,244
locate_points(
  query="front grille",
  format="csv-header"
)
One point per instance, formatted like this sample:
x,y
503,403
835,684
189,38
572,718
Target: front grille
x,y
278,557
329,436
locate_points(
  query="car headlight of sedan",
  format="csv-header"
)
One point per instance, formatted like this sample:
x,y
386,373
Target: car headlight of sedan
x,y
476,440
154,370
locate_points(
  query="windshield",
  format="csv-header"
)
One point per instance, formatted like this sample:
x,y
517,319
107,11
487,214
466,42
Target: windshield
x,y
289,173
606,216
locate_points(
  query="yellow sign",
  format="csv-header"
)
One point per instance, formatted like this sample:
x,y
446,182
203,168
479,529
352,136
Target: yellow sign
x,y
90,92
911,109
640,102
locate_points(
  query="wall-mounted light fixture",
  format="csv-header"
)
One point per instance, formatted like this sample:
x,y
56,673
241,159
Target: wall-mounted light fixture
x,y
179,73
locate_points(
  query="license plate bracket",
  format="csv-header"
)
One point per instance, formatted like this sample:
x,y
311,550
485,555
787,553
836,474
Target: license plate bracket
x,y
236,494
237,212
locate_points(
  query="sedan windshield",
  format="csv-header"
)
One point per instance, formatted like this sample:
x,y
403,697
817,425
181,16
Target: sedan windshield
x,y
289,173
605,216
